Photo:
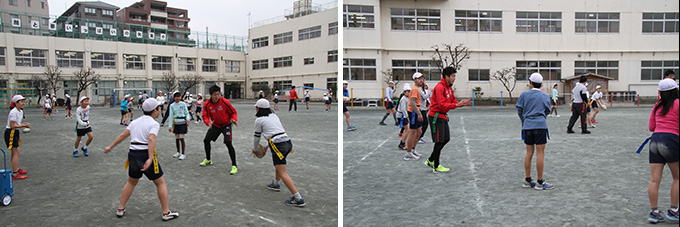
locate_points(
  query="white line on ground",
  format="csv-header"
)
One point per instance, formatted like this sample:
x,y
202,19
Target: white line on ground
x,y
258,216
471,163
366,156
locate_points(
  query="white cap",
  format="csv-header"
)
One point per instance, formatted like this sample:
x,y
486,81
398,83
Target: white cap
x,y
48,95
555,84
417,75
344,82
667,85
324,94
277,91
150,104
126,96
187,93
199,94
82,98
190,95
67,96
586,84
16,98
261,91
160,91
262,103
140,93
598,87
536,78
391,82
407,87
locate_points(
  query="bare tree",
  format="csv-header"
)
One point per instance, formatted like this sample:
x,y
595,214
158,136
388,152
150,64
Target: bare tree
x,y
53,77
447,55
85,77
388,75
508,78
39,84
189,81
169,82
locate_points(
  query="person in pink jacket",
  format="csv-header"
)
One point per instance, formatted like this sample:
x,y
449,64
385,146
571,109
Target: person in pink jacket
x,y
664,148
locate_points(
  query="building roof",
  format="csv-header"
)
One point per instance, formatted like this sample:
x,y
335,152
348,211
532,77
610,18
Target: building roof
x,y
89,3
588,74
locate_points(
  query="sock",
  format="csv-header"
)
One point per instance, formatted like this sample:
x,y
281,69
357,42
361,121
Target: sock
x,y
540,181
85,147
655,210
75,150
183,144
528,179
674,209
297,196
385,117
275,182
232,153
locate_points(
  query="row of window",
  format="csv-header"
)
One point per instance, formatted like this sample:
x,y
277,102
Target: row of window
x,y
74,59
365,69
287,61
303,34
28,3
361,16
93,11
285,84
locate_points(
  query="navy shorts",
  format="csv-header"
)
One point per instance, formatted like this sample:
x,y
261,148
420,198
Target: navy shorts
x,y
137,159
282,149
123,112
49,110
180,129
594,104
663,148
389,105
535,136
403,120
327,102
276,100
82,132
306,99
12,140
413,121
344,108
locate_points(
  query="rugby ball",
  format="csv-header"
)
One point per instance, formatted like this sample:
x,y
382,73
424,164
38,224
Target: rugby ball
x,y
603,107
261,151
27,130
345,99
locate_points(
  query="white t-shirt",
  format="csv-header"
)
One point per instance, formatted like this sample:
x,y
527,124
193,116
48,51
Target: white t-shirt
x,y
140,129
596,95
161,99
268,127
48,103
576,92
276,96
307,95
83,117
14,115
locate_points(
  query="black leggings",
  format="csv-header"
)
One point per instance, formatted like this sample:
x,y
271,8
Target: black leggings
x,y
436,152
424,128
292,102
232,151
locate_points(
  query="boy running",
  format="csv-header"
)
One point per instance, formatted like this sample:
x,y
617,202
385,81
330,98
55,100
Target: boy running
x,y
199,107
596,101
179,115
12,138
48,107
219,115
533,106
68,106
142,158
83,125
389,106
124,110
269,125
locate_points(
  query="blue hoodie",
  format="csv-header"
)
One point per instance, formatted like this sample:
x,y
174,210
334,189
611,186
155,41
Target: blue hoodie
x,y
532,107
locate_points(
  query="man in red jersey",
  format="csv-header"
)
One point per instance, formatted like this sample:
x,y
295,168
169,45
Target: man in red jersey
x,y
293,99
218,115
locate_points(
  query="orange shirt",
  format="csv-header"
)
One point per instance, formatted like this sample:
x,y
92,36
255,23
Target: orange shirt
x,y
415,93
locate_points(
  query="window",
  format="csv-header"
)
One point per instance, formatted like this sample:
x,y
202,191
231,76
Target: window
x,y
403,69
104,88
606,68
332,83
309,86
107,26
136,62
42,4
283,62
187,64
261,42
209,65
103,60
285,37
597,22
28,3
260,84
261,64
358,69
478,75
69,59
332,56
30,57
659,22
107,12
333,28
91,24
2,56
550,70
653,70
416,19
14,2
479,21
161,63
309,61
358,16
232,66
45,21
283,84
309,33
539,22
90,10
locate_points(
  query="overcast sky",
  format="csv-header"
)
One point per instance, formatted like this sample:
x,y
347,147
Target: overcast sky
x,y
220,16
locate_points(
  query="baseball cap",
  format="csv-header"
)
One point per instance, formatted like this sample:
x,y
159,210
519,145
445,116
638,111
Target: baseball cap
x,y
344,82
16,98
150,104
664,85
127,96
407,87
325,94
536,78
82,98
391,82
555,84
417,75
598,87
262,103
67,96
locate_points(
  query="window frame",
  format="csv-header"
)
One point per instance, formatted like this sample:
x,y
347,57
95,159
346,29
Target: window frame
x,y
348,68
595,21
333,28
309,33
539,68
134,61
282,38
537,21
186,64
3,56
596,68
479,74
161,63
308,61
361,16
70,61
282,62
473,17
260,64
660,68
403,69
404,14
105,61
232,66
332,56
664,22
208,65
260,42
38,56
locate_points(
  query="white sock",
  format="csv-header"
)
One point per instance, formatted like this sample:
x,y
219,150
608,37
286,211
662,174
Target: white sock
x,y
85,147
297,195
275,182
75,150
674,209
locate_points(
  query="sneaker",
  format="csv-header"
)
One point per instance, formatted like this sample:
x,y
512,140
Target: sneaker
x,y
529,184
233,171
382,123
205,162
351,128
196,122
295,202
19,177
21,171
592,126
120,212
162,125
84,151
429,163
440,169
570,131
176,155
182,157
75,153
421,141
655,217
124,124
557,115
402,146
274,187
544,186
170,215
410,157
673,216
585,132
595,122
415,153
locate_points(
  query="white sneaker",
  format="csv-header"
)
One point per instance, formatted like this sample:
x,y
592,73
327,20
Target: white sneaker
x,y
410,157
416,153
592,126
196,122
551,115
557,115
182,157
170,215
176,155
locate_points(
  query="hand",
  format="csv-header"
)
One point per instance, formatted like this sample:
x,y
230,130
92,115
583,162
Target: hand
x,y
210,125
27,125
147,164
88,124
466,102
234,122
170,130
420,117
107,149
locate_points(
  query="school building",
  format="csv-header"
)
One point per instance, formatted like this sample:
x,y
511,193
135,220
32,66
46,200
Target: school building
x,y
630,43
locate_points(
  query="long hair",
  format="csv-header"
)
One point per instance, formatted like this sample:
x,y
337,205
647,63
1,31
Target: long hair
x,y
263,112
667,100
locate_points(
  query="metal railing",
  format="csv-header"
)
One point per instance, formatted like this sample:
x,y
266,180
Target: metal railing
x,y
80,28
291,13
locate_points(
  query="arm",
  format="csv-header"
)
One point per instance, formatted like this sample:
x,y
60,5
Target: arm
x,y
118,139
79,118
14,125
584,97
206,119
546,105
258,134
652,120
171,116
520,108
152,148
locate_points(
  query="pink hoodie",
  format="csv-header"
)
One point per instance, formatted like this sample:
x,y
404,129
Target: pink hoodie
x,y
668,123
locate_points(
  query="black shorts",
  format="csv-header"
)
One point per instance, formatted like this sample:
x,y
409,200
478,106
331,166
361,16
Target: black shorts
x,y
306,99
327,102
280,151
344,108
403,120
414,123
130,110
389,105
440,129
82,132
49,110
68,107
552,102
199,109
123,112
137,159
663,148
535,136
276,100
12,138
214,132
180,129
594,104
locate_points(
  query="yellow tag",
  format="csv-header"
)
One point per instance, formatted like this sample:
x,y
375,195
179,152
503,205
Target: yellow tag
x,y
276,150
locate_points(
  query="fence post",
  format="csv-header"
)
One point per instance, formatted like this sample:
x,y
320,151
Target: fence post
x,y
114,98
611,99
383,95
501,99
638,99
473,98
351,98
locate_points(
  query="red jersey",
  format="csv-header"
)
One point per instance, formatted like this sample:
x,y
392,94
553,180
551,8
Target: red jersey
x,y
221,113
442,99
293,94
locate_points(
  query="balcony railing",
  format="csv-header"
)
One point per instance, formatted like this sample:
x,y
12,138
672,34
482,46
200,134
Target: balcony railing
x,y
291,13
